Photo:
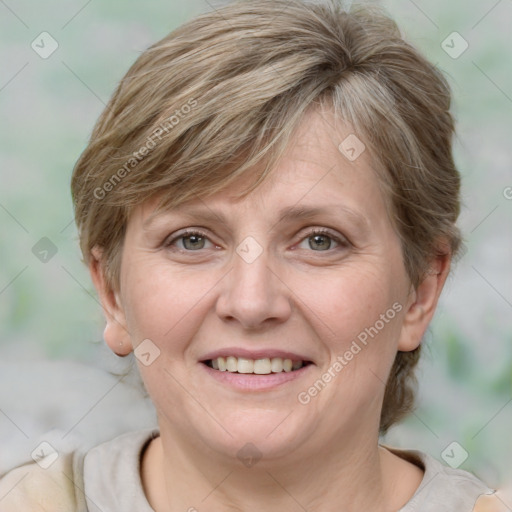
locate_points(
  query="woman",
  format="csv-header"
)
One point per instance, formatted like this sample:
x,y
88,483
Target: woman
x,y
268,209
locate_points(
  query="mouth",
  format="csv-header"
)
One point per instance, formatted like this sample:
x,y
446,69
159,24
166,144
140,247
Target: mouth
x,y
255,375
261,366
255,370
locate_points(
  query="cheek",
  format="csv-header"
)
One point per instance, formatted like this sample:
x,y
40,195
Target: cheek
x,y
361,312
361,315
162,302
166,307
352,300
360,342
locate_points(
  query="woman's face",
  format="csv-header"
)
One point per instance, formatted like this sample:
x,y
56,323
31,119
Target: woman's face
x,y
254,281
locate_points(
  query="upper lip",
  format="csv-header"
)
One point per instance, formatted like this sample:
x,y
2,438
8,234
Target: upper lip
x,y
254,354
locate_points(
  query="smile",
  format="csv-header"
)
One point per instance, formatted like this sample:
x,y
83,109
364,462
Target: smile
x,y
250,381
263,366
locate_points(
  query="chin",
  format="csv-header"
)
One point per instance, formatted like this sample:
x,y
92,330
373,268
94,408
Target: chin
x,y
266,434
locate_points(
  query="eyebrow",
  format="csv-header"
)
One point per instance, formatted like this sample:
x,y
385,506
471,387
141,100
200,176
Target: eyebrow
x,y
288,214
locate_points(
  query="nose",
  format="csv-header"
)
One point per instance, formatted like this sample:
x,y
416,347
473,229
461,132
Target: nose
x,y
254,294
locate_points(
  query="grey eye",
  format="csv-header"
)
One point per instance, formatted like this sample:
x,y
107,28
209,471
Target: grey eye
x,y
323,242
196,242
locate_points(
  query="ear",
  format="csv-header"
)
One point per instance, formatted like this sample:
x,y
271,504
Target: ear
x,y
116,334
423,302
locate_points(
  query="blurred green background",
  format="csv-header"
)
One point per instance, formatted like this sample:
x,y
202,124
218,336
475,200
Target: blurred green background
x,y
48,310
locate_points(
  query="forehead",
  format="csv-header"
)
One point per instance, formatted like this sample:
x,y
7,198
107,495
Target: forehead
x,y
325,167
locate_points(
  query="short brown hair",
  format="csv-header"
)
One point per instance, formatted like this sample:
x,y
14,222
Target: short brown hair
x,y
222,96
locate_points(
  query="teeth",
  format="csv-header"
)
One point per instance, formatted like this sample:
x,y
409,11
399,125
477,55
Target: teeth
x,y
257,366
245,365
231,364
276,364
262,366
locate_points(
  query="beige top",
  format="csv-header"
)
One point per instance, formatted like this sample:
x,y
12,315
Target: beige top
x,y
107,479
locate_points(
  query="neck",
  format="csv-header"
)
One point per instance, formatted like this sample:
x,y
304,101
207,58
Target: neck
x,y
179,476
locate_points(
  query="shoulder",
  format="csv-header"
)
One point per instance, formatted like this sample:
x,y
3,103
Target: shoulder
x,y
43,485
56,481
112,472
445,488
490,503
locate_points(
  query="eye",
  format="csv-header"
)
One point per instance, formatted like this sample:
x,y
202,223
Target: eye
x,y
322,239
193,240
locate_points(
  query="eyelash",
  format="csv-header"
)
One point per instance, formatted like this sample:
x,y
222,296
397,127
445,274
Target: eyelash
x,y
341,241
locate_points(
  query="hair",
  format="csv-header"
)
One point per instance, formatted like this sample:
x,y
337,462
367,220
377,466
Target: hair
x,y
223,95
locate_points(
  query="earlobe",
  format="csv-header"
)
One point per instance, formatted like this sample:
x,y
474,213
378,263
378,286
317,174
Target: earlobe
x,y
423,302
116,335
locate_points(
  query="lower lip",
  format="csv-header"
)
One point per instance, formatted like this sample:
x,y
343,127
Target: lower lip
x,y
253,382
